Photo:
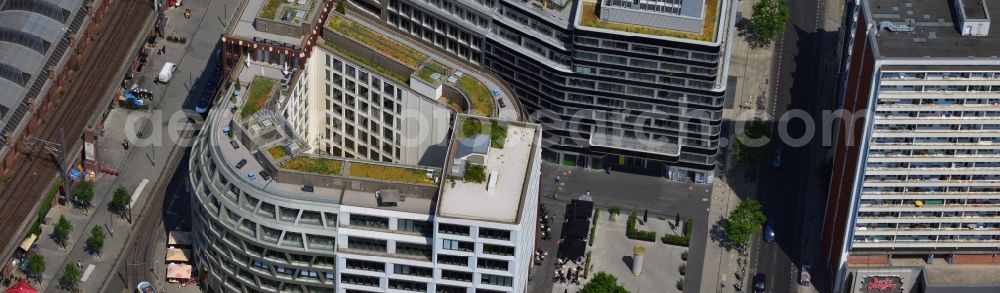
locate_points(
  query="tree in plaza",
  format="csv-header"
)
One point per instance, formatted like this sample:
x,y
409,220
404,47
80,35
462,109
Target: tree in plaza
x,y
36,265
768,22
85,193
753,152
119,200
743,221
71,277
96,240
603,283
62,230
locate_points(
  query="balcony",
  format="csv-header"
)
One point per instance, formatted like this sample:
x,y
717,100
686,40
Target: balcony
x,y
928,195
927,243
898,220
929,208
933,145
862,231
932,171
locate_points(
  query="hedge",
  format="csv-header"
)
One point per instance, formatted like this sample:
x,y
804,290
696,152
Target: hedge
x,y
593,228
632,233
679,240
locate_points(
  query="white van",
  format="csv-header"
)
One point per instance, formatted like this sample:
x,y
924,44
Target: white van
x,y
166,72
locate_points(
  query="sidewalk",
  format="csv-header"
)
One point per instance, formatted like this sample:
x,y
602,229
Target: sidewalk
x,y
137,163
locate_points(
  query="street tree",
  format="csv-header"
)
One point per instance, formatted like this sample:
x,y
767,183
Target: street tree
x,y
119,200
96,240
743,221
71,277
85,193
754,153
768,22
36,265
603,283
62,230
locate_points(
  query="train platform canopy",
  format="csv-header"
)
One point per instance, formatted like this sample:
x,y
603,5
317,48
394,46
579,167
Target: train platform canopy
x,y
178,271
178,255
179,238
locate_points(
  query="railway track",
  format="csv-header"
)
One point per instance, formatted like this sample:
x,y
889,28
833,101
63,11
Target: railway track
x,y
98,72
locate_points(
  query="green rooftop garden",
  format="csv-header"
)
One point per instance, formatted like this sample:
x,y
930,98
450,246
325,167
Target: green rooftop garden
x,y
590,18
475,173
270,9
498,133
389,173
254,100
277,151
426,73
377,68
381,43
314,165
479,95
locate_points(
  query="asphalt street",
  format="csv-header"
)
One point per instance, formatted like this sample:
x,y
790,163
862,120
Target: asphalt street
x,y
805,67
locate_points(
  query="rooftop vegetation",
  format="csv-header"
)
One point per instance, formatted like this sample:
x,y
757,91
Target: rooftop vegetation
x,y
475,173
314,165
381,43
260,89
375,67
270,9
389,173
497,132
590,18
277,151
427,72
479,95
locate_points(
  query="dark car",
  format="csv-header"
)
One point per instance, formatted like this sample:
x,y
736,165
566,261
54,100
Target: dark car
x,y
263,174
759,283
235,144
241,163
769,231
207,96
307,188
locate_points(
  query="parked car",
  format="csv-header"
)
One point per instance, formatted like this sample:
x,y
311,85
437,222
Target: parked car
x,y
241,163
145,287
769,231
264,175
235,144
502,104
206,98
759,283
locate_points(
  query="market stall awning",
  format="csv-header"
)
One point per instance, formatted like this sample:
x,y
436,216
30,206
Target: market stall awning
x,y
178,271
26,244
177,255
179,238
22,287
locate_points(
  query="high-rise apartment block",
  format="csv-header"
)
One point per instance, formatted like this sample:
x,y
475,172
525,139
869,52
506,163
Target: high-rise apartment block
x,y
915,191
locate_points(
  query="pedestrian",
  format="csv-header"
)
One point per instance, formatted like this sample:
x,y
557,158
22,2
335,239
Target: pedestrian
x,y
557,178
79,264
164,49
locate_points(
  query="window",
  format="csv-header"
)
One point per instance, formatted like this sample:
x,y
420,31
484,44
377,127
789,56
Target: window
x,y
498,249
453,229
359,280
494,234
366,244
413,271
408,285
453,260
493,264
497,280
449,289
413,249
415,226
456,276
369,221
365,265
457,245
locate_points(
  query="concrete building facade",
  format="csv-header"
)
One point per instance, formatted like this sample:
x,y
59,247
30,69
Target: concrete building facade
x,y
610,91
916,163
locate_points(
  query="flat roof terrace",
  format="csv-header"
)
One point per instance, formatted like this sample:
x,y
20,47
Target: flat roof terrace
x,y
276,20
927,29
497,191
588,16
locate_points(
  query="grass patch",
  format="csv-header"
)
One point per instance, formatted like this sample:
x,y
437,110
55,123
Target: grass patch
x,y
453,103
270,9
260,89
497,132
277,151
475,173
427,72
479,95
389,173
374,67
591,19
381,43
314,165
